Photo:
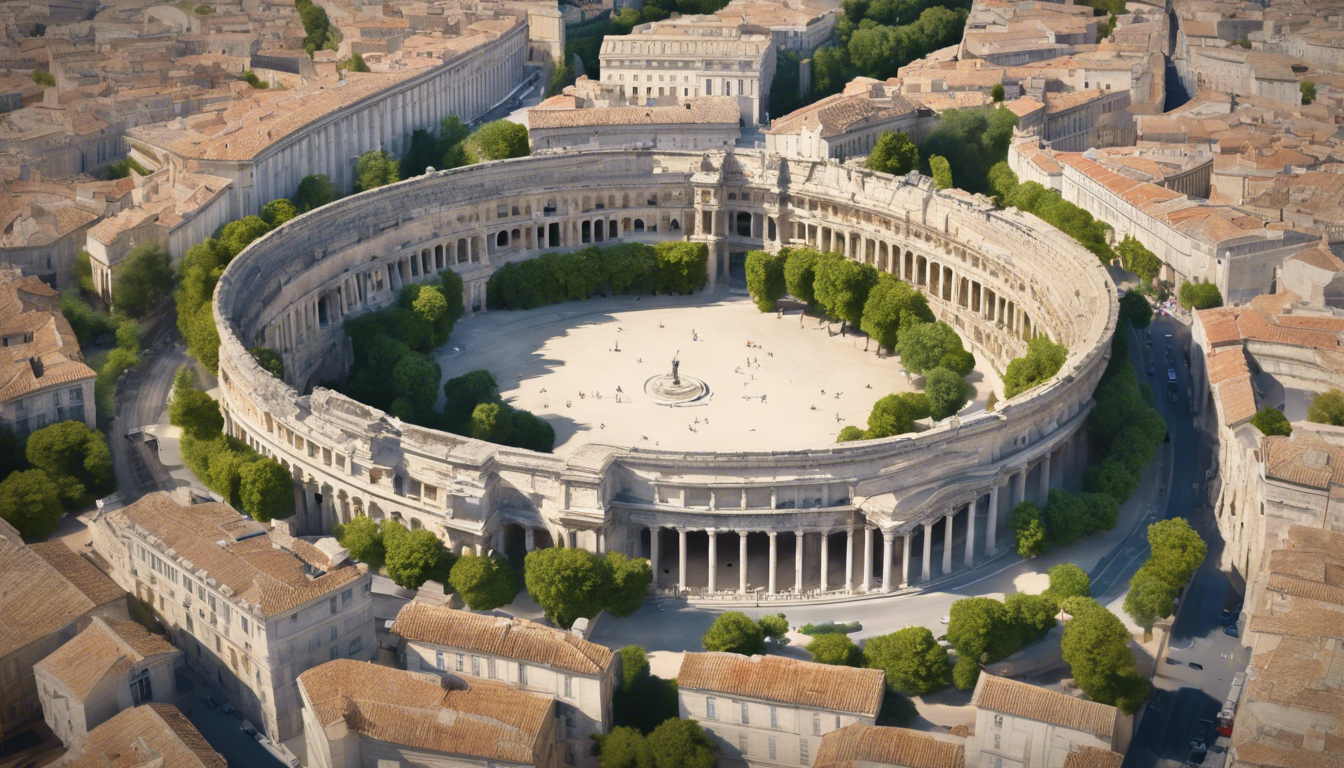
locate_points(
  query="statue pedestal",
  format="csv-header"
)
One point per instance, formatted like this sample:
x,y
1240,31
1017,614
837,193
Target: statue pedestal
x,y
675,390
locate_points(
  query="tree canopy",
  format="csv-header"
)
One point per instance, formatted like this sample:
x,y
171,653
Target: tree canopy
x,y
894,153
75,458
414,557
266,490
925,346
374,169
191,410
916,665
947,392
765,278
363,539
1327,408
1271,421
841,287
1043,360
1199,296
734,632
941,171
315,191
888,302
1136,309
835,649
1095,645
972,141
485,583
31,502
143,278
1138,259
1068,580
567,583
498,140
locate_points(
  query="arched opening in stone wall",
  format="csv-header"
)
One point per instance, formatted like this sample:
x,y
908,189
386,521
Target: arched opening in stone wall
x,y
743,224
514,538
639,225
586,232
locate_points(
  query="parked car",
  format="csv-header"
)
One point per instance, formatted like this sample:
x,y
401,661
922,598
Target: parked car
x,y
1173,662
1197,665
1199,740
1226,616
1152,369
1231,631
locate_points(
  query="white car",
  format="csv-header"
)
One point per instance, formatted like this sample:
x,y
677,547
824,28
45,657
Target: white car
x,y
945,620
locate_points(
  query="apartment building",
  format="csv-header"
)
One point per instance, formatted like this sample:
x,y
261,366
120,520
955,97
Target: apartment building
x,y
156,735
526,656
360,715
772,710
109,667
250,614
47,595
1019,725
43,378
668,62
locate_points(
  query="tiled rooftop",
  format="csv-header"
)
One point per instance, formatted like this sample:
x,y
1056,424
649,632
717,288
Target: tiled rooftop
x,y
106,648
860,745
510,638
148,736
999,694
784,680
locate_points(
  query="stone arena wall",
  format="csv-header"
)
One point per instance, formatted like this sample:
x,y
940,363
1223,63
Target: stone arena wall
x,y
998,277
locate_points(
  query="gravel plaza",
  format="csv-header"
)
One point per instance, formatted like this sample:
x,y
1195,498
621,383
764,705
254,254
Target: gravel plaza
x,y
773,383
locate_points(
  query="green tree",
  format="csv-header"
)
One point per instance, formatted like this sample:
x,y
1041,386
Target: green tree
x,y
1271,421
765,278
734,632
996,93
464,394
678,743
1327,408
251,79
624,747
630,580
1199,296
1043,360
84,272
43,78
894,153
785,94
916,665
567,583
485,583
1002,181
278,211
841,287
1177,549
492,422
835,649
374,169
942,172
267,490
1029,617
1150,598
422,153
1068,580
1066,517
947,392
363,539
75,458
430,305
412,557
799,273
416,377
774,627
889,300
923,346
896,415
1136,309
1028,530
356,63
315,191
237,235
972,141
269,360
1138,259
641,700
1095,645
1306,87
191,410
498,140
142,279
31,502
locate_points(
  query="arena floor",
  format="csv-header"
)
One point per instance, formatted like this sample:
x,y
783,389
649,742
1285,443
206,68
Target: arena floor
x,y
794,387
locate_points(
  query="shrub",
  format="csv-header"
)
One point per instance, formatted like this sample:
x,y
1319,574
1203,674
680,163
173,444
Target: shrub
x,y
1271,421
1199,296
835,649
1327,408
734,632
485,583
765,278
1043,360
828,627
916,665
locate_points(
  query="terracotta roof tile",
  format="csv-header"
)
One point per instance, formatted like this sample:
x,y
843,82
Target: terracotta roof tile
x,y
483,720
106,647
1092,757
788,681
1304,461
97,586
29,305
698,111
36,599
860,744
999,694
156,735
510,638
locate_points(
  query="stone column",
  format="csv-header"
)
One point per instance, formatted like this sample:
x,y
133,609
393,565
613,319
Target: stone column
x,y
742,562
925,567
947,541
905,559
849,560
1045,478
798,562
1019,490
713,557
993,523
867,557
653,552
774,554
886,560
825,566
681,559
970,531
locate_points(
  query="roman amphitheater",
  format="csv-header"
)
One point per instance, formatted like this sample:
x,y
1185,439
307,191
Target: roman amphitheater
x,y
730,518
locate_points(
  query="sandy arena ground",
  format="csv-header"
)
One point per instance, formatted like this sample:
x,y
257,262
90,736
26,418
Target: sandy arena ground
x,y
795,388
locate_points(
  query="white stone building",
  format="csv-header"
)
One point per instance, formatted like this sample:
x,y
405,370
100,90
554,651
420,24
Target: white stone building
x,y
361,715
691,56
47,595
565,122
43,378
156,735
846,124
109,667
801,26
249,613
773,710
1018,725
871,746
540,660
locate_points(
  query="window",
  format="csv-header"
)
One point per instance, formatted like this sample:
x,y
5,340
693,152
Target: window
x,y
569,727
331,603
356,645
438,659
742,742
490,666
569,754
996,741
476,666
347,596
141,690
837,722
746,718
244,620
816,725
458,667
332,653
802,751
333,635
998,721
710,708
522,674
569,686
774,722
772,747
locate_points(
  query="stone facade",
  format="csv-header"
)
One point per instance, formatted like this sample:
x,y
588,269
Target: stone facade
x,y
994,275
1019,725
